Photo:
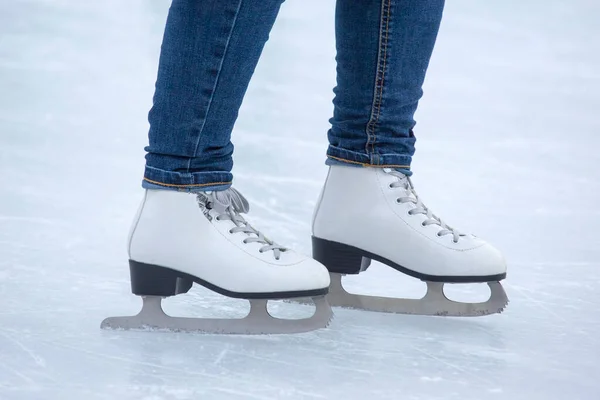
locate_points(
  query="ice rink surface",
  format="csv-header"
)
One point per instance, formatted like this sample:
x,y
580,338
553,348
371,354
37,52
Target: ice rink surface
x,y
508,148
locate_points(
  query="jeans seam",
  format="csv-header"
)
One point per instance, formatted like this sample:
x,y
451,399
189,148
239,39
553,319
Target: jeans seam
x,y
212,94
186,185
369,165
379,80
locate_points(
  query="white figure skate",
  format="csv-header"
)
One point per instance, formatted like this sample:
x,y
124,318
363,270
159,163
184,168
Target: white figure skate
x,y
366,214
179,238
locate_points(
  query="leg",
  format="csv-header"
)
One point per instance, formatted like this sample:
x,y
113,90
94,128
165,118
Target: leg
x,y
209,52
189,228
374,213
383,50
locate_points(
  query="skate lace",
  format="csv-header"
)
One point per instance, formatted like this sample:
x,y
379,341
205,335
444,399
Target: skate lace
x,y
410,196
229,205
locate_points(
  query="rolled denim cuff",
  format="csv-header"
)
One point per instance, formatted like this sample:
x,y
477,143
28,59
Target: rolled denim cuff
x,y
186,181
395,161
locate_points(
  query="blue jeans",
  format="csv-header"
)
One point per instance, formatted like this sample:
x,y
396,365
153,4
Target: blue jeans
x,y
210,50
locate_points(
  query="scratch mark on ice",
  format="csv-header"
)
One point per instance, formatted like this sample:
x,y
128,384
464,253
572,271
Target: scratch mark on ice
x,y
39,361
220,357
456,367
539,303
19,374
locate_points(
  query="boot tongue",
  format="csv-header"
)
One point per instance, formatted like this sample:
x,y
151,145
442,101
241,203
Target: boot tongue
x,y
230,197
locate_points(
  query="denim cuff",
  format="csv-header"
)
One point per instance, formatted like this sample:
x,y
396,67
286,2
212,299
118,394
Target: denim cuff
x,y
396,161
185,181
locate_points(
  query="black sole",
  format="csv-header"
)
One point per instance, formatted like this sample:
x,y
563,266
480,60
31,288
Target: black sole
x,y
154,280
345,259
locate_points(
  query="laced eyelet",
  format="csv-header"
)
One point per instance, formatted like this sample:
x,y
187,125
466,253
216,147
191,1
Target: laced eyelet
x,y
260,251
390,186
231,231
218,218
398,200
423,224
455,241
410,213
438,234
244,241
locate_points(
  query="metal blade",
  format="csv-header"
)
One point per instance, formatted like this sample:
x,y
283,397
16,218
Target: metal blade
x,y
434,302
258,320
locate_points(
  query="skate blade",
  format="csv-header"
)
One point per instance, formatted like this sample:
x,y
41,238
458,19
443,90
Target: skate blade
x,y
258,321
433,303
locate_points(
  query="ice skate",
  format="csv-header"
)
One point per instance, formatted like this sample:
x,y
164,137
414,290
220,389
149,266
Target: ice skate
x,y
178,239
366,214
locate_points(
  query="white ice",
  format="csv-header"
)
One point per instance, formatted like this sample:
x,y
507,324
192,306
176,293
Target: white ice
x,y
508,149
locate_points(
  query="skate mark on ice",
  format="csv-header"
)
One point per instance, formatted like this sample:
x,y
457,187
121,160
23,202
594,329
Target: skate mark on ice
x,y
280,361
251,380
134,362
221,356
561,300
39,361
539,304
19,374
19,245
338,366
476,377
292,391
244,394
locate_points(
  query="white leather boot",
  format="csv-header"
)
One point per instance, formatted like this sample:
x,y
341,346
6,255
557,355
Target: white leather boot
x,y
179,238
375,213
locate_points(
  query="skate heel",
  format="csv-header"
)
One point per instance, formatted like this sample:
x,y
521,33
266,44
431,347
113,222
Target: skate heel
x,y
152,280
339,258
